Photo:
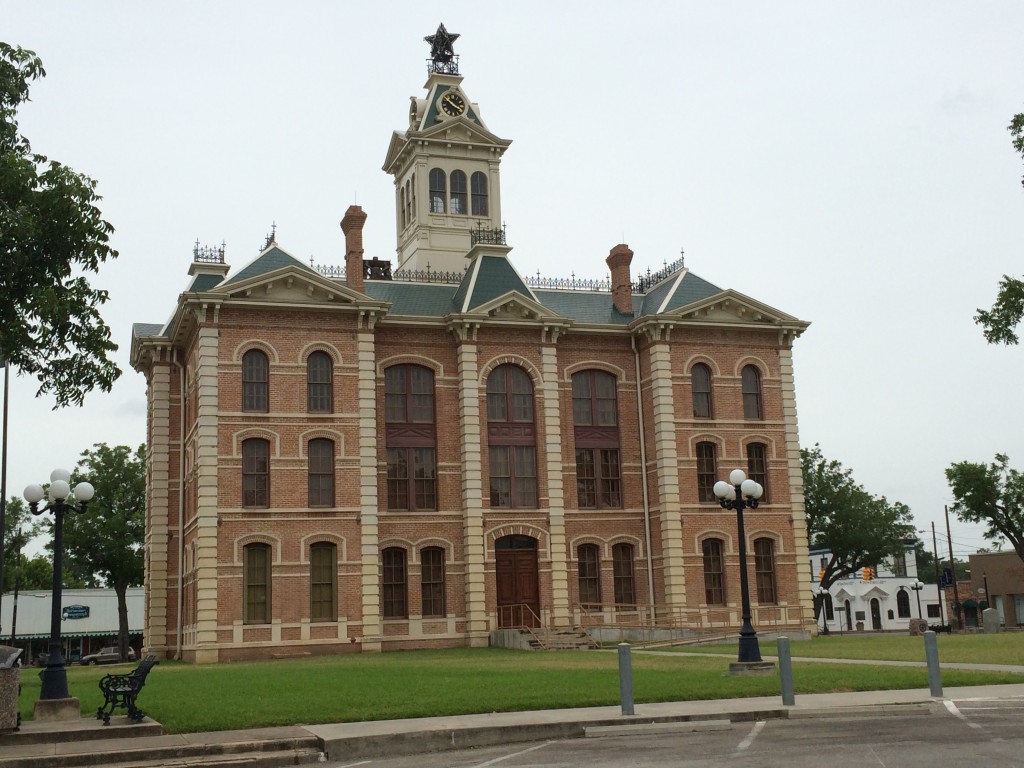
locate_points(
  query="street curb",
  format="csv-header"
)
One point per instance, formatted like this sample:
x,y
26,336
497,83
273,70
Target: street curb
x,y
650,729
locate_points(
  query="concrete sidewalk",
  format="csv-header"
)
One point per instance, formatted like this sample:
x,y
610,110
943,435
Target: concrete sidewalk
x,y
88,742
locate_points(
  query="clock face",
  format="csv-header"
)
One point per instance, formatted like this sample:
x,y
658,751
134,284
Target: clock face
x,y
452,104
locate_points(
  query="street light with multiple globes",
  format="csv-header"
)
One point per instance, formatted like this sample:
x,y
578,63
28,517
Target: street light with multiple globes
x,y
54,677
741,493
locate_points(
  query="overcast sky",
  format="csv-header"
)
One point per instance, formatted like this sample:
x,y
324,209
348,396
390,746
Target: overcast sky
x,y
847,163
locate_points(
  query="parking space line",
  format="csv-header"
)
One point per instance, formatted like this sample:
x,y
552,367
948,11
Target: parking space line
x,y
514,754
745,744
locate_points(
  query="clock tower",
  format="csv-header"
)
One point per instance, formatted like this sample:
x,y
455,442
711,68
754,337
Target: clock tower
x,y
446,167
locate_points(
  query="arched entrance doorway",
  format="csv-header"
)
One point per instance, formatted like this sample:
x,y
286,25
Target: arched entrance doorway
x,y
876,613
518,593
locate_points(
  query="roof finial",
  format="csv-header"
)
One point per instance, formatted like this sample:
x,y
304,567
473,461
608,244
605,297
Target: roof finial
x,y
272,237
682,258
442,55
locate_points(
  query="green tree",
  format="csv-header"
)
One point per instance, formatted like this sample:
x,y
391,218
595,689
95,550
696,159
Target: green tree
x,y
50,233
858,529
992,495
37,573
19,529
926,566
105,544
1000,321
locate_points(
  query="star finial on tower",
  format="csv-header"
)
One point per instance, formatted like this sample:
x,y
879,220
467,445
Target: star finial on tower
x,y
441,45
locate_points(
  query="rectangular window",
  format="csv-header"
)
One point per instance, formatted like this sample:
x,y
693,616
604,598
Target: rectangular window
x,y
764,569
757,467
714,572
933,611
256,473
432,581
256,575
586,479
589,575
513,476
423,480
899,564
323,579
622,573
321,473
707,471
393,584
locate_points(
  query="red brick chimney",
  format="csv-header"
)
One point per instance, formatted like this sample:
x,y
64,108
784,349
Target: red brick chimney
x,y
352,226
618,262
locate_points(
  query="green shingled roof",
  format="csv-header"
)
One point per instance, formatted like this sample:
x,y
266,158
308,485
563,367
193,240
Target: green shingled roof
x,y
413,299
271,259
205,283
489,277
586,306
146,329
674,293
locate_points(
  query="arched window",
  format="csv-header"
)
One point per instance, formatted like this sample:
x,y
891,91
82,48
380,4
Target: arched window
x,y
589,560
256,583
323,581
903,604
410,437
438,190
319,383
255,472
752,408
402,215
764,570
458,179
408,201
432,581
511,437
478,181
255,381
622,575
321,472
707,472
714,572
596,425
393,583
700,382
757,466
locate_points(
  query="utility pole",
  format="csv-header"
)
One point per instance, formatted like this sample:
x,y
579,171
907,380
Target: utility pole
x,y
952,566
938,586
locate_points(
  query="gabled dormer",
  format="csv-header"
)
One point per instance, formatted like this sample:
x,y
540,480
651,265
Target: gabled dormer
x,y
446,169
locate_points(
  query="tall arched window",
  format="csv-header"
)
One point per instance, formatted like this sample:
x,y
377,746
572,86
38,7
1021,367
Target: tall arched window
x,y
458,180
255,472
321,472
707,471
714,572
432,581
757,466
319,383
511,438
394,590
411,437
478,182
752,406
589,559
438,190
903,604
700,382
764,570
403,218
323,581
596,425
256,583
255,381
622,575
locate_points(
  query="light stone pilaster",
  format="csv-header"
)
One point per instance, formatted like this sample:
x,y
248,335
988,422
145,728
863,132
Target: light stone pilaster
x,y
470,439
667,463
560,613
369,529
207,418
160,588
794,467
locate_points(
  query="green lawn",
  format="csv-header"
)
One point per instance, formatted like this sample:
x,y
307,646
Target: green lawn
x,y
1003,648
355,687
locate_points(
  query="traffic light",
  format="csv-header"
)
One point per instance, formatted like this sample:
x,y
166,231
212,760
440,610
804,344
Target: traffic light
x,y
821,574
868,573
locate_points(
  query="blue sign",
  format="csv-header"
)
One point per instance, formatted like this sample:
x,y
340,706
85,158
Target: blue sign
x,y
75,612
946,580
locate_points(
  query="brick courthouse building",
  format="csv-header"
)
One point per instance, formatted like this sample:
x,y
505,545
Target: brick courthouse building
x,y
358,459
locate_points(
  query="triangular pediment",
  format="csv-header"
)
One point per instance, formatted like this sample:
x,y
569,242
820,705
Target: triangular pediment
x,y
875,591
461,130
294,285
731,306
399,140
515,307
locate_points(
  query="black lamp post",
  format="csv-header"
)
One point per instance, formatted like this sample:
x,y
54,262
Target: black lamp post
x,y
54,677
739,494
917,586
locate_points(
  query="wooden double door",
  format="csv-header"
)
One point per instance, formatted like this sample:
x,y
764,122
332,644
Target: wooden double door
x,y
518,591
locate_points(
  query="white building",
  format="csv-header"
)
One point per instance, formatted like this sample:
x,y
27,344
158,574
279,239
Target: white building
x,y
884,601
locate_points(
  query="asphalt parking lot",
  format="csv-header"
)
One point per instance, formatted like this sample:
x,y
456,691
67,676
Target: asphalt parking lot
x,y
961,732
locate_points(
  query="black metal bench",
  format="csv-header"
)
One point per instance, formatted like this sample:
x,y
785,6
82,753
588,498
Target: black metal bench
x,y
936,628
122,690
